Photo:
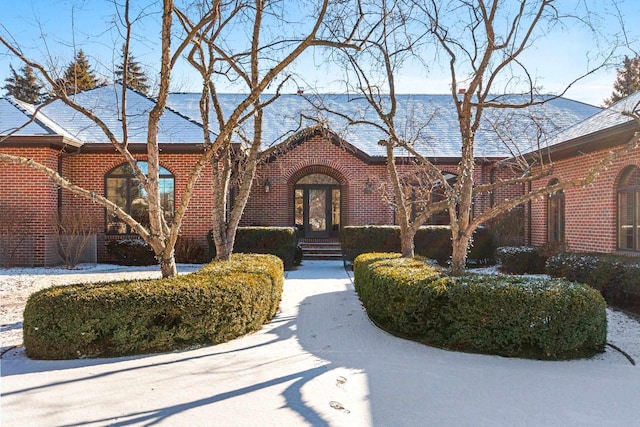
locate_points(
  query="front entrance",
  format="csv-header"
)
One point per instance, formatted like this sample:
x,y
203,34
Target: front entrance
x,y
317,206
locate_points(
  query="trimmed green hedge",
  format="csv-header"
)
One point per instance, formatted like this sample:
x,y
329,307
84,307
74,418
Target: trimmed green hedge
x,y
521,260
131,252
279,241
432,241
220,302
503,315
616,277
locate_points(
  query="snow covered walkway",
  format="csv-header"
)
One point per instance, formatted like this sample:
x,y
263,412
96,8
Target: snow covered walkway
x,y
321,362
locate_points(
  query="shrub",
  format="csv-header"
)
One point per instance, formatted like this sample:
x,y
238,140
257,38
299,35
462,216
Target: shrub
x,y
261,264
432,242
131,252
74,232
508,228
218,303
521,260
279,241
503,315
616,277
189,251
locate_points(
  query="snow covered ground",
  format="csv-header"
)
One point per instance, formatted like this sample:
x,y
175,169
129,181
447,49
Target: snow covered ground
x,y
320,362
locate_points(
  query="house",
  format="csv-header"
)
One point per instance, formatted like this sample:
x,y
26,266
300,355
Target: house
x,y
320,173
605,215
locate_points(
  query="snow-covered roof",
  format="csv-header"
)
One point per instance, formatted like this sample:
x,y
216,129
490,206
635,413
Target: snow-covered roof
x,y
105,102
605,119
429,121
15,119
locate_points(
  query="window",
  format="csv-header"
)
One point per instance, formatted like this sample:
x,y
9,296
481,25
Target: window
x,y
126,191
555,215
629,210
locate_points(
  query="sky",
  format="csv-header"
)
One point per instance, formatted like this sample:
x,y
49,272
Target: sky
x,y
50,30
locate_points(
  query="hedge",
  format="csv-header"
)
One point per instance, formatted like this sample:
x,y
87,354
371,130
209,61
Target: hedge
x,y
520,260
616,277
431,241
279,241
214,305
502,315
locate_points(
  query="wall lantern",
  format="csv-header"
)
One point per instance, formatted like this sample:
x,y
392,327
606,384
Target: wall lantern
x,y
267,185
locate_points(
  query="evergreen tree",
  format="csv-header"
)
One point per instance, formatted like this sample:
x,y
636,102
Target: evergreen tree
x,y
136,77
627,82
78,76
24,86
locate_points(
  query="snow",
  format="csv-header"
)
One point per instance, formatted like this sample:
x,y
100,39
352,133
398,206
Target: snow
x,y
320,362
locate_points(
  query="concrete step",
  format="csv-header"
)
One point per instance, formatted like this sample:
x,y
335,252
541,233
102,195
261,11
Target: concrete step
x,y
321,250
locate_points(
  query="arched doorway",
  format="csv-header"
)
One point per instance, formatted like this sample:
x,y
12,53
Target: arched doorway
x,y
317,206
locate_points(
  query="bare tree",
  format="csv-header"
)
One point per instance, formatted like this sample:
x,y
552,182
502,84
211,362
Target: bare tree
x,y
388,39
160,235
255,65
204,37
483,44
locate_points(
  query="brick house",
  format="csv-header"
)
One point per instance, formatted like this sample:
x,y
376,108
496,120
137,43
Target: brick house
x,y
604,216
320,173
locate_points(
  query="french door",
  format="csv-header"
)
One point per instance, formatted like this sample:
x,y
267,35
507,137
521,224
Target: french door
x,y
317,210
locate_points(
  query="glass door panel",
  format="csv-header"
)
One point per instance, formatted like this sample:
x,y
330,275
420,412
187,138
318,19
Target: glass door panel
x,y
299,208
317,199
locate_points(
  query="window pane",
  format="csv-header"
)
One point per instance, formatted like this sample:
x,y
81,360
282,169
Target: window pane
x,y
166,197
626,220
555,217
126,191
335,208
317,209
299,207
116,193
318,178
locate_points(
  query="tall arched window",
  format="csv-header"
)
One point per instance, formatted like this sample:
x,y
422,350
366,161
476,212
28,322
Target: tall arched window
x,y
555,215
126,191
629,210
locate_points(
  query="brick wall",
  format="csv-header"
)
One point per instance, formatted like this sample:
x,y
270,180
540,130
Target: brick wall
x,y
317,155
28,209
590,212
320,155
197,221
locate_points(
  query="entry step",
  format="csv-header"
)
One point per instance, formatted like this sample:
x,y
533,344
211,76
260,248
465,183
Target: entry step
x,y
321,250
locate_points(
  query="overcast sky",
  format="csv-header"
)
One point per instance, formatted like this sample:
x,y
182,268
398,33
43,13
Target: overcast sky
x,y
51,29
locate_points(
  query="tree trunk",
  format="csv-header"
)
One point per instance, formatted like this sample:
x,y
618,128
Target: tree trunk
x,y
168,266
459,255
407,245
223,251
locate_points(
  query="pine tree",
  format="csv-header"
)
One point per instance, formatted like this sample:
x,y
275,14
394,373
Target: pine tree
x,y
136,77
627,82
78,76
24,86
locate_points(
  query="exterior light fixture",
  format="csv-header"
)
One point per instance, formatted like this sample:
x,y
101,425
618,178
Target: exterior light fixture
x,y
267,185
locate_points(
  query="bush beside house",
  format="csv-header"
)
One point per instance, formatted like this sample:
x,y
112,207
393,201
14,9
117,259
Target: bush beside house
x,y
279,241
616,277
433,242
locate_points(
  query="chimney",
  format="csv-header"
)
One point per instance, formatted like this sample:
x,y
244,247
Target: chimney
x,y
300,91
462,91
